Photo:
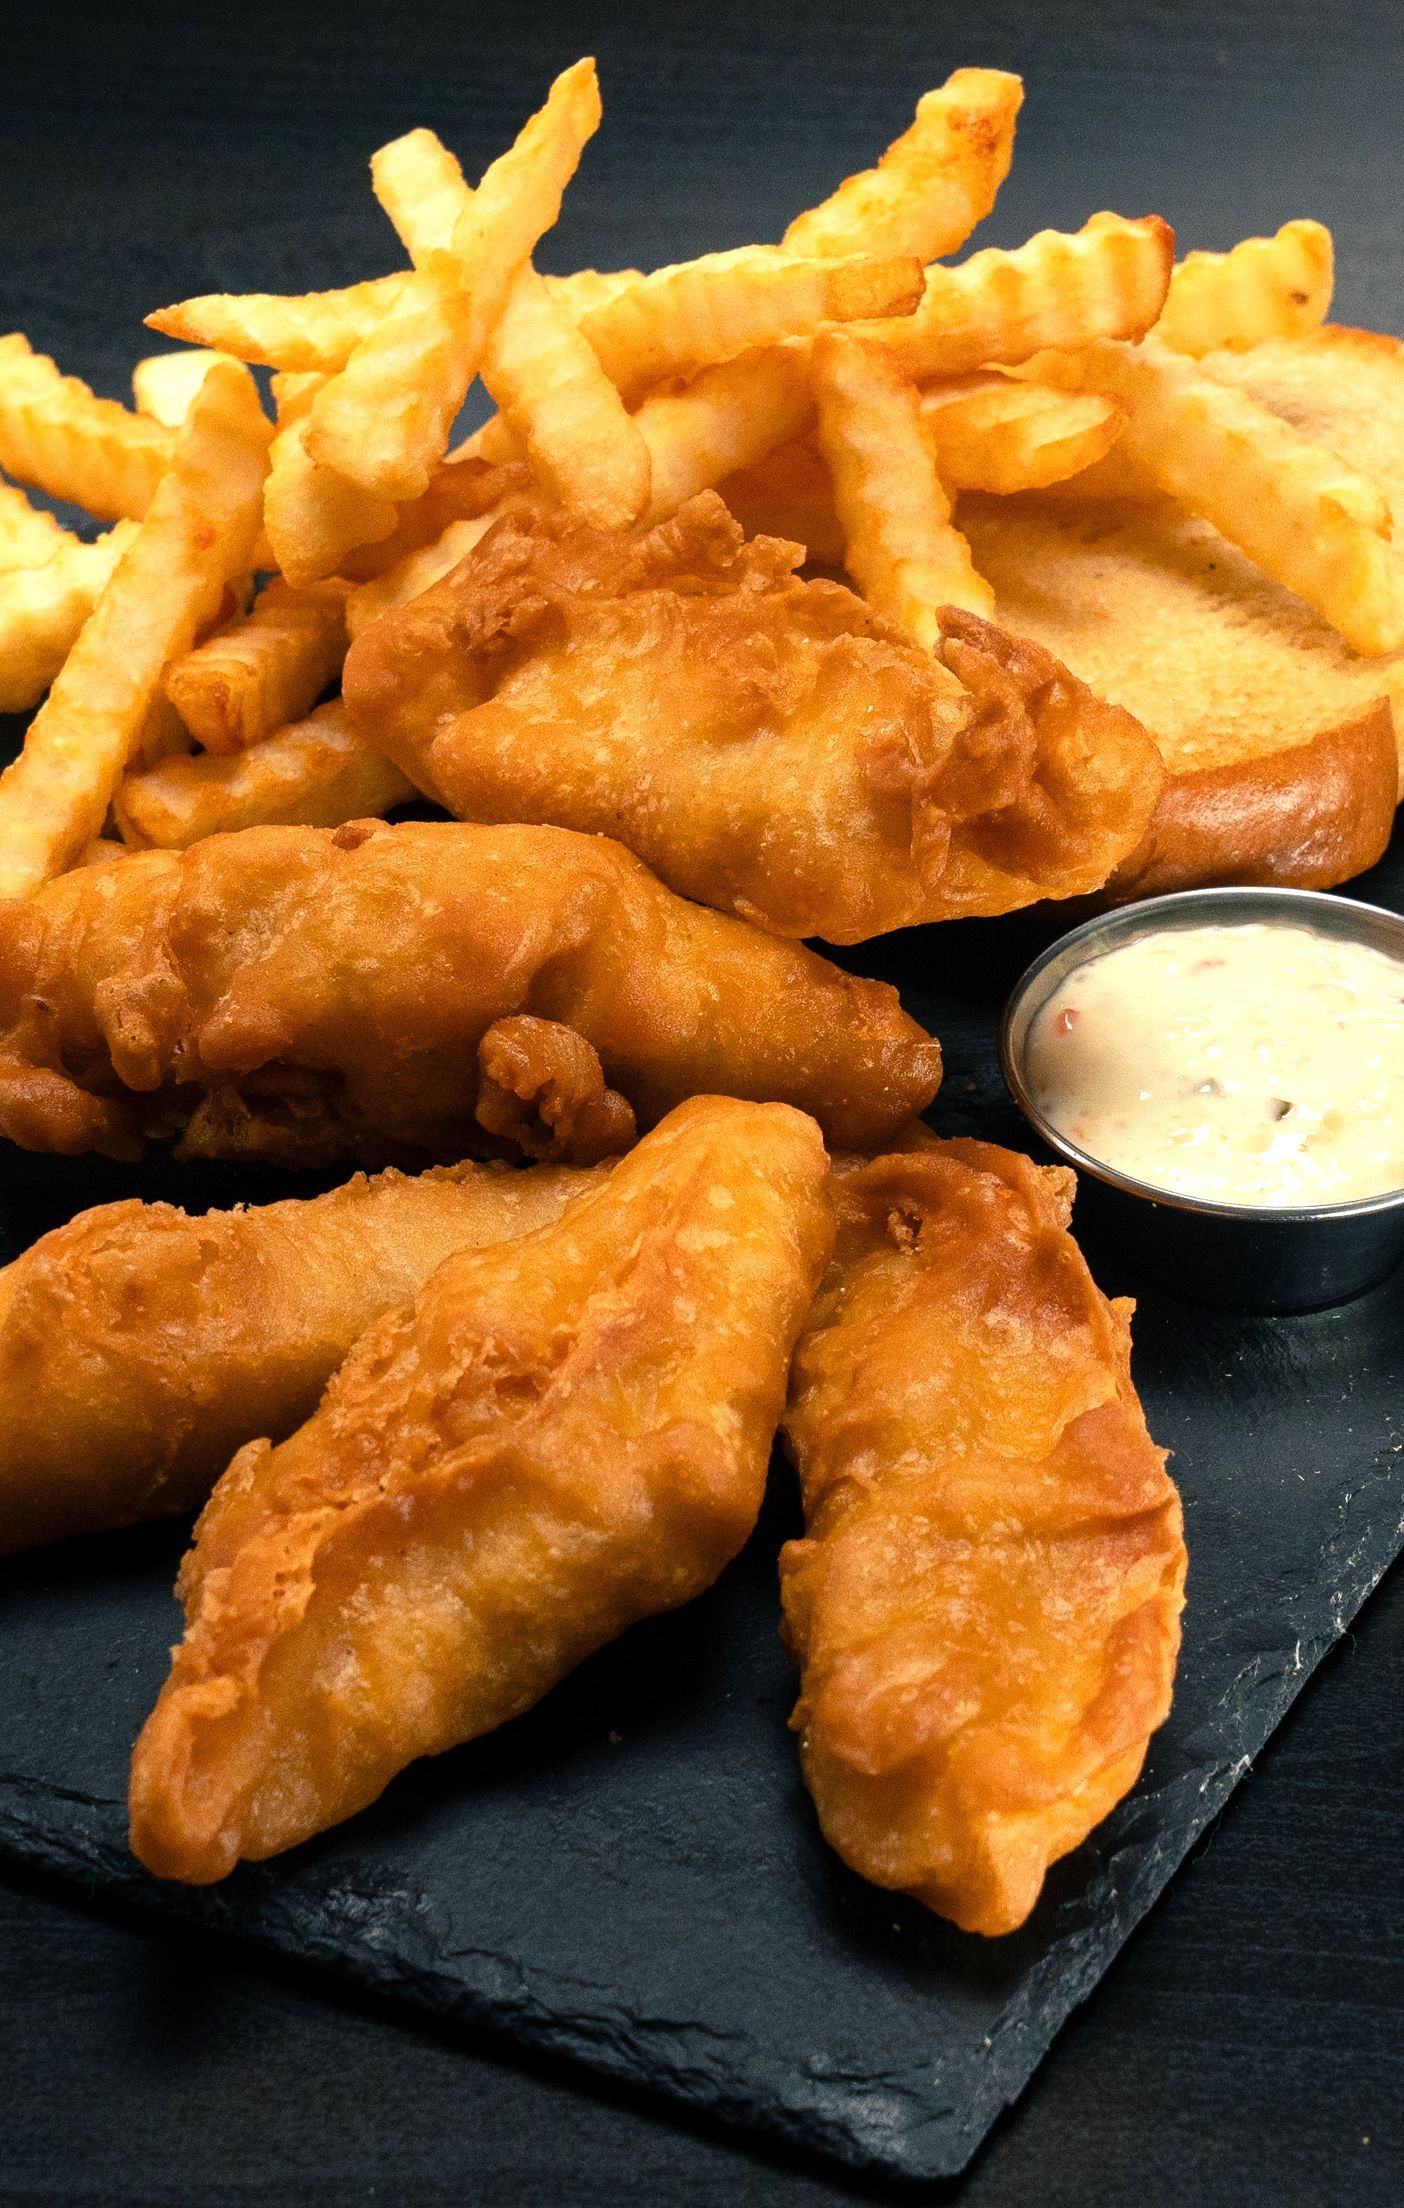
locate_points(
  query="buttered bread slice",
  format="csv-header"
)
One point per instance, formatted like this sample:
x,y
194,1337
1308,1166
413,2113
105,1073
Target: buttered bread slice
x,y
1283,743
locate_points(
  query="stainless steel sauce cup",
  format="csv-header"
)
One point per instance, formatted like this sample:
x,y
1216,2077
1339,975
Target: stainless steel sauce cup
x,y
1239,1255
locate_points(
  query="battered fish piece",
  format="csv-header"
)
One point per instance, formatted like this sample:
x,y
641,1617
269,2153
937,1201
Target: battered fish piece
x,y
388,995
562,1435
139,1348
768,745
986,1606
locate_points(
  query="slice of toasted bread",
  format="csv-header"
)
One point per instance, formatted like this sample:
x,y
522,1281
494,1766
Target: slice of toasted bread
x,y
1280,740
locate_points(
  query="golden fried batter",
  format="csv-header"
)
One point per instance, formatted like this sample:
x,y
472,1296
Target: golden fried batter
x,y
139,1348
986,1605
767,745
563,1434
382,994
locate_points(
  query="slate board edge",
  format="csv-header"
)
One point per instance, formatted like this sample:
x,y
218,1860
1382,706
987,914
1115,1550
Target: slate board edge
x,y
793,2107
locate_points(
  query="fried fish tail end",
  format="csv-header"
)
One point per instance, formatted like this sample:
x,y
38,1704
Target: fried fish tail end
x,y
560,1436
986,1604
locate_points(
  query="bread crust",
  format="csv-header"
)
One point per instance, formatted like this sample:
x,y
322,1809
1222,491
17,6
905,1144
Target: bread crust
x,y
1308,818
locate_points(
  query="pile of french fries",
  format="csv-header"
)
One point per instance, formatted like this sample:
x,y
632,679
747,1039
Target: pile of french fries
x,y
838,388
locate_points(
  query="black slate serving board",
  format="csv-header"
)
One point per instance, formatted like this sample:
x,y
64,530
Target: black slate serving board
x,y
631,1876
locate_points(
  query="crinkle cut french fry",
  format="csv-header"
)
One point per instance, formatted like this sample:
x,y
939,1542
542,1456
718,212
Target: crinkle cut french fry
x,y
1261,288
323,526
314,330
519,196
933,184
164,384
163,734
1141,373
293,393
422,188
385,420
588,288
725,419
554,401
495,441
679,320
991,432
581,293
28,535
414,573
1108,279
242,684
552,391
42,610
312,516
56,435
1114,480
900,545
789,493
1297,511
197,536
988,432
493,231
315,774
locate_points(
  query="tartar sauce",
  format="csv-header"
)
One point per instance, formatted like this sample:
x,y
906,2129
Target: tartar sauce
x,y
1261,1064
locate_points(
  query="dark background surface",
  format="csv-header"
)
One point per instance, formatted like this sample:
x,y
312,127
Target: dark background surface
x,y
1248,2045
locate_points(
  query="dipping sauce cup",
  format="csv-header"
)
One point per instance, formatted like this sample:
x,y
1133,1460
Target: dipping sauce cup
x,y
1243,1256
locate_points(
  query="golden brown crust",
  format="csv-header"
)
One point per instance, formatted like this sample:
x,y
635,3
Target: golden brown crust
x,y
389,993
768,745
542,1090
562,1434
1048,778
985,1606
1307,818
140,1347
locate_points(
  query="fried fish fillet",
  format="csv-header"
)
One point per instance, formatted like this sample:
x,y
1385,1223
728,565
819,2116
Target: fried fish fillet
x,y
139,1348
985,1607
561,1435
768,745
385,994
